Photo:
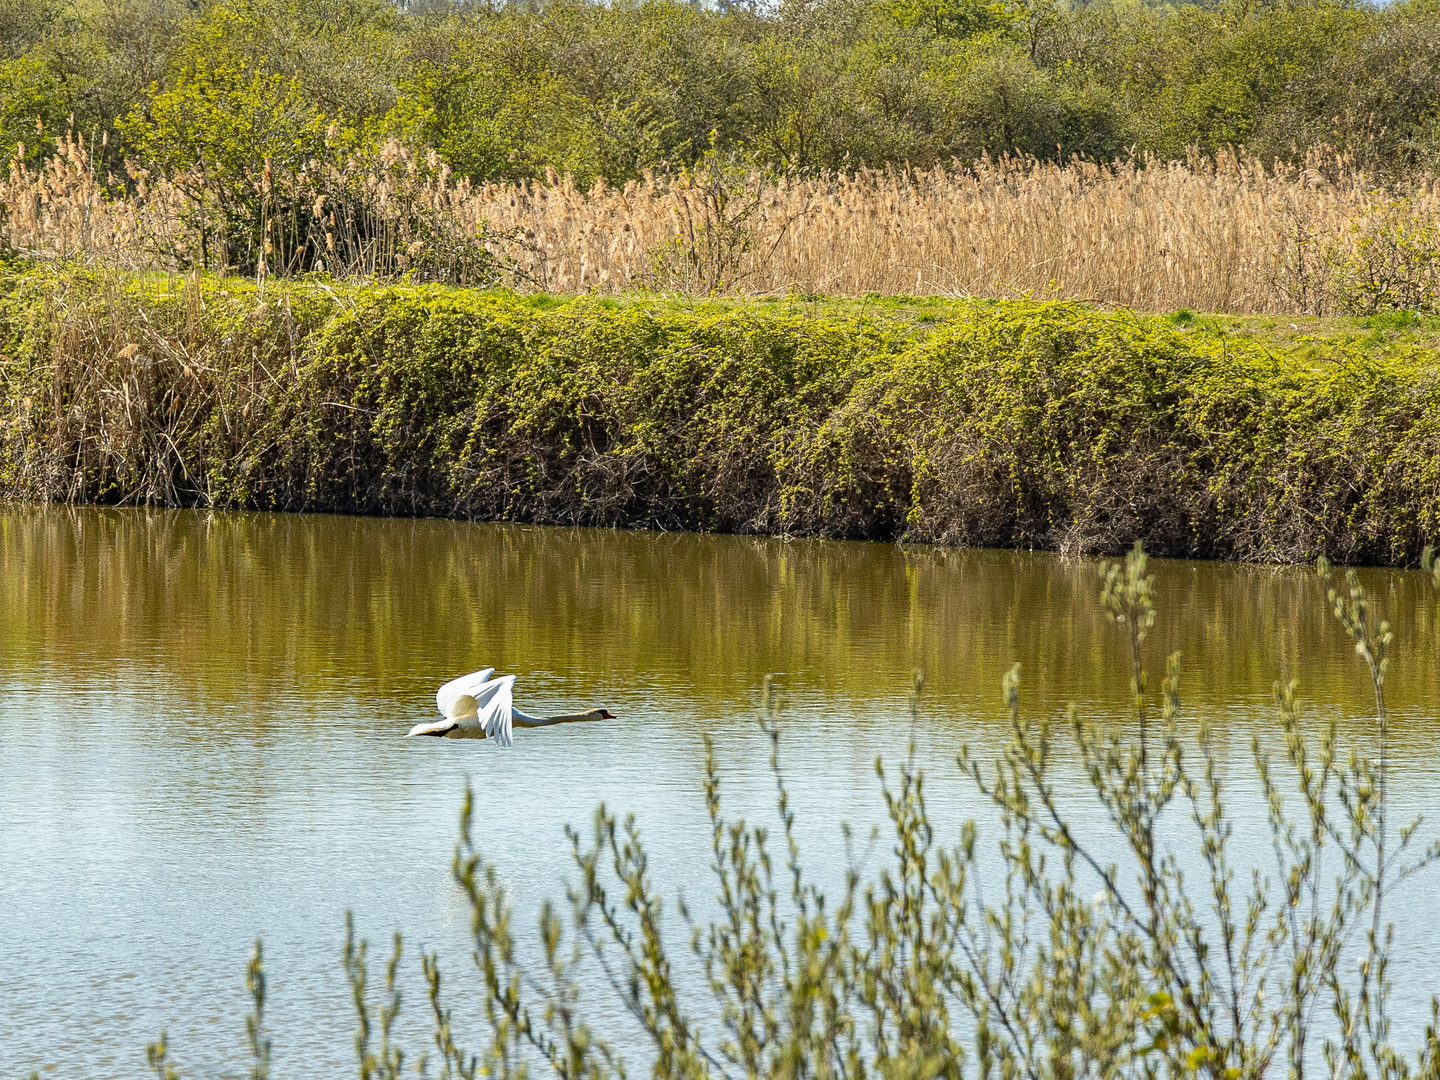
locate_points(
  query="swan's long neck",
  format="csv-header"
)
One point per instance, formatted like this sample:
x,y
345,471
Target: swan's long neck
x,y
520,719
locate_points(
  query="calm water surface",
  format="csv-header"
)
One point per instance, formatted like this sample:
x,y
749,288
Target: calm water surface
x,y
200,719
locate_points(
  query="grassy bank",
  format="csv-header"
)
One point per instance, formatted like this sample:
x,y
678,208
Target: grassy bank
x,y
1017,423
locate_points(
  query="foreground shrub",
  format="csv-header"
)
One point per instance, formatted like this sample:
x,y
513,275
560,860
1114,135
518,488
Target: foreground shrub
x,y
1027,424
1063,963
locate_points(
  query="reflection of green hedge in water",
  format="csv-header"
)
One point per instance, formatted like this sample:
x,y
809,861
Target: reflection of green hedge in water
x,y
1061,965
1026,423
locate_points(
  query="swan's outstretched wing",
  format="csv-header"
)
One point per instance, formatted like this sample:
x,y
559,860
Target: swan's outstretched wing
x,y
435,727
494,704
452,691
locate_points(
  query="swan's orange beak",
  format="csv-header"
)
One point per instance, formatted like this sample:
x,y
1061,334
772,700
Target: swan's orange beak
x,y
606,714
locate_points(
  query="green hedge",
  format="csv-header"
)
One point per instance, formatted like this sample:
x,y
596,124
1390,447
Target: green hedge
x,y
1028,423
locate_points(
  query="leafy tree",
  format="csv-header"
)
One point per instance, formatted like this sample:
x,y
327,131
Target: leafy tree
x,y
1009,104
224,133
1213,75
33,108
953,18
615,88
1378,100
225,124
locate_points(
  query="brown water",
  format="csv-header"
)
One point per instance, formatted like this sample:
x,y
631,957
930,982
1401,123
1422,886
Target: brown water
x,y
199,721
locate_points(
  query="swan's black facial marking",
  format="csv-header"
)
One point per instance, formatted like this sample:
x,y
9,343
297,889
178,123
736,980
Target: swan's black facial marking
x,y
606,714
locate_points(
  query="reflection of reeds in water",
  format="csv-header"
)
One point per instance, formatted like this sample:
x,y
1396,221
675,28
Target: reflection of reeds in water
x,y
291,600
1221,234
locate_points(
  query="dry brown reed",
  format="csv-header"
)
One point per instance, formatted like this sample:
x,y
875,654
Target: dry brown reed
x,y
62,210
1223,234
375,216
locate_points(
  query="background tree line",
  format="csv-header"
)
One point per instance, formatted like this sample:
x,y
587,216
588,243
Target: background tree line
x,y
506,91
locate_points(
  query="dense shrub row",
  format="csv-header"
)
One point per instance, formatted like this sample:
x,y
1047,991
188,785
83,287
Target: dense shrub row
x,y
1025,423
218,89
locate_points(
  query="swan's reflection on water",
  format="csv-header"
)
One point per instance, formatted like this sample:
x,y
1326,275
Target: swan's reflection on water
x,y
201,719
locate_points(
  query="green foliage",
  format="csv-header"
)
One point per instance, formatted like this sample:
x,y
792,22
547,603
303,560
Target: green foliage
x,y
382,1062
277,185
226,123
1027,423
590,90
483,121
1222,72
157,1057
1375,98
32,109
225,133
613,90
1394,266
1008,104
952,18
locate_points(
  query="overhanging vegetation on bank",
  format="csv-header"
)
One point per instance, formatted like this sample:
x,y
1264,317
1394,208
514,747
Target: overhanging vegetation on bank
x,y
1021,423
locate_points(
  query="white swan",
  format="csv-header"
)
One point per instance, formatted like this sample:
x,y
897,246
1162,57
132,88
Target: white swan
x,y
476,706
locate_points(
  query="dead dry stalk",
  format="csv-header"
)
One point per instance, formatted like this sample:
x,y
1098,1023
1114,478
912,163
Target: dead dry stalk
x,y
1220,234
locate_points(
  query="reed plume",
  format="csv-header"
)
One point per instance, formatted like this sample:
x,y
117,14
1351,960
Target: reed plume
x,y
1225,233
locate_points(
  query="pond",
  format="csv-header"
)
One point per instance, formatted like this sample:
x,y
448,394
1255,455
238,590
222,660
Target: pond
x,y
200,721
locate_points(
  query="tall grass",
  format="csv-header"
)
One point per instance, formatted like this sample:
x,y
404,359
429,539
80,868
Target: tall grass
x,y
1054,960
1208,234
1225,234
375,216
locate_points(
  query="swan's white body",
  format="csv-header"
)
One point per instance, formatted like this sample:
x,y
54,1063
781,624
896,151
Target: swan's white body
x,y
476,706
